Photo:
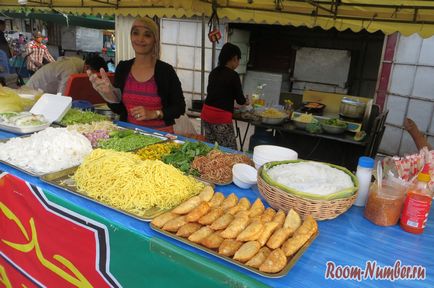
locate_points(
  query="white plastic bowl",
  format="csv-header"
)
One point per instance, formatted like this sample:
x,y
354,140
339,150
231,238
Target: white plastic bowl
x,y
274,153
241,184
243,175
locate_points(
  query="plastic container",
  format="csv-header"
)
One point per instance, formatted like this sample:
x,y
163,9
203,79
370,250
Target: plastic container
x,y
364,175
53,107
244,176
417,204
384,206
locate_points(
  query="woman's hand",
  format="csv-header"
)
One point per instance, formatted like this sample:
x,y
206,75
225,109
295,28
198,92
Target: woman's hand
x,y
103,86
140,113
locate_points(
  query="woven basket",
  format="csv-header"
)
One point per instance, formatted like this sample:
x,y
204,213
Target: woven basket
x,y
319,209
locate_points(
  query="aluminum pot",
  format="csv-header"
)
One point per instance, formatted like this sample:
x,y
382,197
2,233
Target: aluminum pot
x,y
352,108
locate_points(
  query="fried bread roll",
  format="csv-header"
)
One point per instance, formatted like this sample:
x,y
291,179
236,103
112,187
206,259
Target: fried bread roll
x,y
259,258
230,201
217,199
269,228
162,219
211,216
187,229
275,262
197,212
309,226
292,220
278,237
222,222
206,194
247,251
200,234
243,205
257,208
279,218
236,226
213,241
243,213
301,236
268,215
294,243
252,232
229,247
174,224
187,206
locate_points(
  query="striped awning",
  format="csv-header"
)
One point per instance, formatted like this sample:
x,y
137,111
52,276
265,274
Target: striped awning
x,y
389,16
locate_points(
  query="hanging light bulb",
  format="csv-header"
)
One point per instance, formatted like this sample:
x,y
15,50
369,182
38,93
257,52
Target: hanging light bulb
x,y
22,2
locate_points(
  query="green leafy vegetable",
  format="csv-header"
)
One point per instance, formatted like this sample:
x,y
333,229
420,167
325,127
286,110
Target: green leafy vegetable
x,y
182,157
76,116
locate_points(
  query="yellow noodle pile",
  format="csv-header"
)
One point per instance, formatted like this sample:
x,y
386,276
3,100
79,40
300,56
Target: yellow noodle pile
x,y
124,181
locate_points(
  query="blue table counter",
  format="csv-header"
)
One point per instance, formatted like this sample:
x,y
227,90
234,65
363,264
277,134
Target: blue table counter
x,y
350,251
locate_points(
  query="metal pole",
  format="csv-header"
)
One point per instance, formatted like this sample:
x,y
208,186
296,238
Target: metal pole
x,y
202,68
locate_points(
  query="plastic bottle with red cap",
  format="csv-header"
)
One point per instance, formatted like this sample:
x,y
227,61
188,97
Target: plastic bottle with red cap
x,y
417,204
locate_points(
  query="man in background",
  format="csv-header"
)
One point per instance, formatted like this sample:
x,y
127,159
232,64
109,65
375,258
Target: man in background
x,y
3,42
52,78
37,52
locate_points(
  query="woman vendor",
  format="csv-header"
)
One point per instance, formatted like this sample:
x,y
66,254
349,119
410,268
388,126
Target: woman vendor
x,y
224,86
146,90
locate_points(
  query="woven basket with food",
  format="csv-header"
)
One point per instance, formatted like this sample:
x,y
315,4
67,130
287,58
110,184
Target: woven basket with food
x,y
311,188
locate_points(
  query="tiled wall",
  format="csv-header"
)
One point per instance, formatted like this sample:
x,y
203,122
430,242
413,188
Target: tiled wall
x,y
410,94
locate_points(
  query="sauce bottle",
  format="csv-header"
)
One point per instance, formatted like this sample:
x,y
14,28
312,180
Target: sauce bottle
x,y
417,204
364,174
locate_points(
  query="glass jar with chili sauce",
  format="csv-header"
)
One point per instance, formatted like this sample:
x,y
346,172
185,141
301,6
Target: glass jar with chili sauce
x,y
417,204
384,204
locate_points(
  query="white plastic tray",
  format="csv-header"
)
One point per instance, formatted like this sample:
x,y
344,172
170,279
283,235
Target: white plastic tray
x,y
23,129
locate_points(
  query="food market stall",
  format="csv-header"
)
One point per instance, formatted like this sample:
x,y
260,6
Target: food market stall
x,y
52,236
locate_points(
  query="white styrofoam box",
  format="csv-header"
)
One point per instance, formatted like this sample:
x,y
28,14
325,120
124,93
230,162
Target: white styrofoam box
x,y
408,49
169,31
185,57
390,141
407,145
186,78
397,107
424,83
168,54
187,33
420,111
52,106
426,55
402,79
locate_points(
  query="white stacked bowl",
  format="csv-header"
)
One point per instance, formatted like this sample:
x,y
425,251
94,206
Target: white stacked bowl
x,y
244,176
267,153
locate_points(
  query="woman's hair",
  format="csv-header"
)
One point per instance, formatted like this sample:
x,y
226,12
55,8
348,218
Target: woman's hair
x,y
228,52
153,27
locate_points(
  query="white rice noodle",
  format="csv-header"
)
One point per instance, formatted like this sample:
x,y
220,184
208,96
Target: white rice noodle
x,y
50,150
311,177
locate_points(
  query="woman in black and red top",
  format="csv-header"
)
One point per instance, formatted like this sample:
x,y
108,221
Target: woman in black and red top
x,y
146,90
224,87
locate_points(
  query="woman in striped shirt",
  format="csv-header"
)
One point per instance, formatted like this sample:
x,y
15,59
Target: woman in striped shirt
x,y
146,90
